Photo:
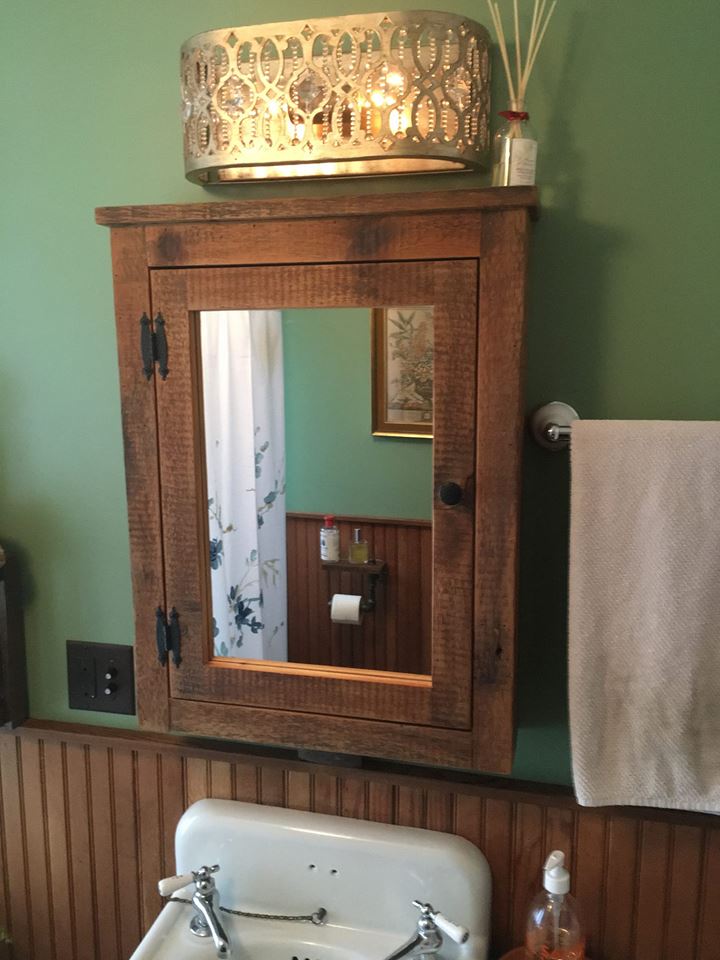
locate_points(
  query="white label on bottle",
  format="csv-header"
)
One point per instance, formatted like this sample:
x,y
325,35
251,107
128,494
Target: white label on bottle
x,y
330,544
523,155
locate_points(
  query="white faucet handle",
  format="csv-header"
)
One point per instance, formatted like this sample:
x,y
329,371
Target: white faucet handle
x,y
453,930
171,885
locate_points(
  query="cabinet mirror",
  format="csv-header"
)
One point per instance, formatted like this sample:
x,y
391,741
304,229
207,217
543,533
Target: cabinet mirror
x,y
287,415
354,358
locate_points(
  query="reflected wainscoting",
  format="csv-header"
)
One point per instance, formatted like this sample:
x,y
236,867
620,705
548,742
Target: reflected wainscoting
x,y
88,815
403,597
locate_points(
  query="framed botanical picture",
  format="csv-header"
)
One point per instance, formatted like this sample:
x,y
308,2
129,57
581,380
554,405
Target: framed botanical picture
x,y
402,371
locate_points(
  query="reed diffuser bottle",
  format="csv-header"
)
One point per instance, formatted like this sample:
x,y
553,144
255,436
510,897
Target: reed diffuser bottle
x,y
514,149
515,144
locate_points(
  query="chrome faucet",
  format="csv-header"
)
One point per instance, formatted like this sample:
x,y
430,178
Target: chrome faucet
x,y
205,923
428,939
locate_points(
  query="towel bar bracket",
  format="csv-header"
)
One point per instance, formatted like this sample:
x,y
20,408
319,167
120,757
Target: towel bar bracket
x,y
551,424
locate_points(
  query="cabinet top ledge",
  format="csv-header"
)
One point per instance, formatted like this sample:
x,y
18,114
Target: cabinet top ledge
x,y
303,208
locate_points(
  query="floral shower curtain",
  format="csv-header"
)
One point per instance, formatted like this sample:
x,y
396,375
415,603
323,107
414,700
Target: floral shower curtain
x,y
242,361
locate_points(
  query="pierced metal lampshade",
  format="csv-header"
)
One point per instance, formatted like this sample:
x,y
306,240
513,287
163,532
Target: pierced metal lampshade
x,y
358,95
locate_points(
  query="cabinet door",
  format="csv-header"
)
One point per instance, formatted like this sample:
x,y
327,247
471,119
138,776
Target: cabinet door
x,y
439,699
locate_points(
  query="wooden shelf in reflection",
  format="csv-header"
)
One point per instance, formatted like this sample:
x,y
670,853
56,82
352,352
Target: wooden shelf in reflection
x,y
373,568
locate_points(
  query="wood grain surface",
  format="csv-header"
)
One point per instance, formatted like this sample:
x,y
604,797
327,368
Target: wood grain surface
x,y
451,286
465,252
87,821
142,472
310,208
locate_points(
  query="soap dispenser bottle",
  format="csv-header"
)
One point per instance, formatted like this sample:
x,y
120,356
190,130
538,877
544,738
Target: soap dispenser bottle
x,y
329,540
554,930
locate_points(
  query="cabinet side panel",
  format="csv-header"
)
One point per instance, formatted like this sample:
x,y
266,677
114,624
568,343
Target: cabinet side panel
x,y
13,669
132,299
503,268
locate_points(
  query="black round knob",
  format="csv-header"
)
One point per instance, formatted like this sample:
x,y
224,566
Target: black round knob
x,y
450,493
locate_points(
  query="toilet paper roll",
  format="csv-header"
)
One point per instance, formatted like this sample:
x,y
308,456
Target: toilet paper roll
x,y
345,608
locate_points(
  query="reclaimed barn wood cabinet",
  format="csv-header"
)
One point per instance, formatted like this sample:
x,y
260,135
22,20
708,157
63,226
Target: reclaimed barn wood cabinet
x,y
463,253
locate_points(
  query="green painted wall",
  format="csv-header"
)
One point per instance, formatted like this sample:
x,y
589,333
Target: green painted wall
x,y
623,308
333,462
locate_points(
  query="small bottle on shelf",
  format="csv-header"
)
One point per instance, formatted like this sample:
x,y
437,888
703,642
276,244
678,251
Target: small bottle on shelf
x,y
554,930
329,540
358,548
514,149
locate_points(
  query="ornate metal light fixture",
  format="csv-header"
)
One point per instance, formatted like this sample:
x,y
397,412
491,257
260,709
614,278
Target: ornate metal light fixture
x,y
358,95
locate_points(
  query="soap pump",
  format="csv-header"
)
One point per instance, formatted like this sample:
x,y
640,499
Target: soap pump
x,y
554,930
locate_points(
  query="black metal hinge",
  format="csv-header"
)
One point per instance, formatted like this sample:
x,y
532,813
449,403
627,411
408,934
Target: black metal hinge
x,y
153,346
167,636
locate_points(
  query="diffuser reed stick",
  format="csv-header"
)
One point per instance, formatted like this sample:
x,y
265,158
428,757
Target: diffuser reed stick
x,y
524,63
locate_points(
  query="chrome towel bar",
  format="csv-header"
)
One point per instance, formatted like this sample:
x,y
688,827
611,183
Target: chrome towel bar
x,y
551,424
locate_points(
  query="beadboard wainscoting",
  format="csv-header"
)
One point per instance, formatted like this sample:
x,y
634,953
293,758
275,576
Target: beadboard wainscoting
x,y
402,601
88,815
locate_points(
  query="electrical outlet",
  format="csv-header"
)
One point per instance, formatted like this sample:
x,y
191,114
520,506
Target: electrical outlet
x,y
100,677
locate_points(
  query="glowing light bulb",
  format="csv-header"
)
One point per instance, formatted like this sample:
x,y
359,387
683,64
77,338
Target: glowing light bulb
x,y
399,120
295,129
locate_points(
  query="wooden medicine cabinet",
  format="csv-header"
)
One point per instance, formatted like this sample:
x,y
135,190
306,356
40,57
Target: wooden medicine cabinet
x,y
260,345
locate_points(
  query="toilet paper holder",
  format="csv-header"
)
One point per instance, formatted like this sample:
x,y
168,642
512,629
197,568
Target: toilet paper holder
x,y
367,604
374,570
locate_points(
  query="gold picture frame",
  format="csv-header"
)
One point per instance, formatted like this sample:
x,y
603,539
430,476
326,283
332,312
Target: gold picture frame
x,y
402,371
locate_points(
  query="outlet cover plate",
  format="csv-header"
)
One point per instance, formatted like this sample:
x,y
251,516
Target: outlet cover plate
x,y
100,677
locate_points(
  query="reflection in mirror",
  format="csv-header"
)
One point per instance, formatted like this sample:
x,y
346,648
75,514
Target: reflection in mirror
x,y
293,434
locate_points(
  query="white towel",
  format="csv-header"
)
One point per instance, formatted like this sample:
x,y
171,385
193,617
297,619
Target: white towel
x,y
644,613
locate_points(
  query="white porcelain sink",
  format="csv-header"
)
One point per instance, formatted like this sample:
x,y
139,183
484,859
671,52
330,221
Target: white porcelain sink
x,y
170,939
365,875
